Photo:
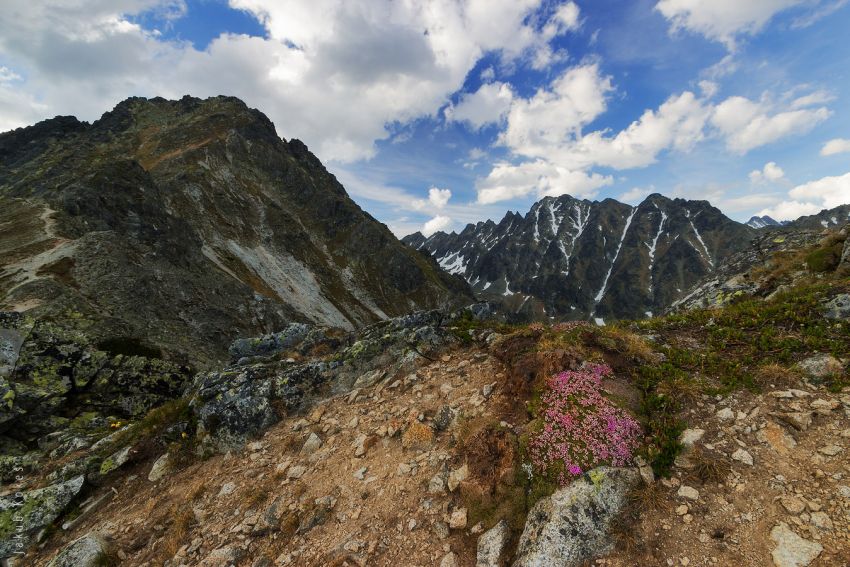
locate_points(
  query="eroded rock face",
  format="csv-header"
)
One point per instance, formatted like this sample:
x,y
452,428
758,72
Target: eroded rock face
x,y
571,526
21,518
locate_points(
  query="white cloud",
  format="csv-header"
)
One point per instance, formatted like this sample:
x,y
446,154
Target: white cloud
x,y
437,199
677,124
770,173
836,146
508,181
747,125
488,105
789,210
722,20
437,223
391,61
812,197
828,191
556,114
636,195
708,88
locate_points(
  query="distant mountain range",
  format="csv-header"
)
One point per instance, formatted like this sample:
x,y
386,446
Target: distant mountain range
x,y
765,221
577,259
186,224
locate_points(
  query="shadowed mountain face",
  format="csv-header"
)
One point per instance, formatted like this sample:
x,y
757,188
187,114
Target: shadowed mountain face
x,y
189,223
574,260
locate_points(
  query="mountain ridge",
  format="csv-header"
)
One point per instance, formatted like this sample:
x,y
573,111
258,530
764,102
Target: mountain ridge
x,y
563,238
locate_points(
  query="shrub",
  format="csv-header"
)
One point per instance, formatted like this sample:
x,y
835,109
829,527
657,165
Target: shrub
x,y
581,428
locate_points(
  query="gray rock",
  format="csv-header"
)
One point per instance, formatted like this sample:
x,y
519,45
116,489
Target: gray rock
x,y
821,366
571,526
91,550
271,344
21,518
10,347
839,306
743,457
792,550
311,445
491,546
159,469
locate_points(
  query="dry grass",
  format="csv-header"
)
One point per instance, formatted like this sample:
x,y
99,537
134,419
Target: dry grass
x,y
417,435
684,391
776,375
183,518
708,466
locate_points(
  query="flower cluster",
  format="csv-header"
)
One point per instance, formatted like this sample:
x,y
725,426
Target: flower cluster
x,y
581,427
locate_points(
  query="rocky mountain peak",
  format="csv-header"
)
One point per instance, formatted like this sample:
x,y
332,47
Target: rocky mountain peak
x,y
189,222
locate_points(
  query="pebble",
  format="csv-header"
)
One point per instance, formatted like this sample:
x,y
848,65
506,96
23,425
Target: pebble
x,y
688,492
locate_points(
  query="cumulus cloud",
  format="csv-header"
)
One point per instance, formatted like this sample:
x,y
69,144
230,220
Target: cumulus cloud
x,y
812,197
437,199
488,105
722,20
770,173
789,210
836,146
828,191
357,65
540,177
746,124
636,195
436,224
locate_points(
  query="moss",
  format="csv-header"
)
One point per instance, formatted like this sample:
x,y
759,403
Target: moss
x,y
826,258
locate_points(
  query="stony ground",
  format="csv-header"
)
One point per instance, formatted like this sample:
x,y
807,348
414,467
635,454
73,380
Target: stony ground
x,y
363,480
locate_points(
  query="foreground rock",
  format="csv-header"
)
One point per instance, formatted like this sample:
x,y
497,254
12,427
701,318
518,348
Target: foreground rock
x,y
571,526
21,518
491,545
792,550
91,550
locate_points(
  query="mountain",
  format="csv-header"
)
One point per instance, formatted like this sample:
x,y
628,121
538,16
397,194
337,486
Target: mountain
x,y
181,225
576,259
761,222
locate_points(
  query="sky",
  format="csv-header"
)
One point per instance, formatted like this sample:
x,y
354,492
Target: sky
x,y
438,113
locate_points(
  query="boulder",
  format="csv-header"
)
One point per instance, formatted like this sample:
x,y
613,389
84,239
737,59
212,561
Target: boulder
x,y
91,550
571,526
22,517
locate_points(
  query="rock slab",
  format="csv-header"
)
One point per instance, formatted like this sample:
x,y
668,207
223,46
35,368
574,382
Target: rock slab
x,y
571,526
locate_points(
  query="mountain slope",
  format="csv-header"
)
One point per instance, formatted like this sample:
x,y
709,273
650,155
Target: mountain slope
x,y
572,259
184,224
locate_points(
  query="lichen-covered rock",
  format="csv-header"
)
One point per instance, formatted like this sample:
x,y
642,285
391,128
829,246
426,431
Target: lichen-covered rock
x,y
839,306
60,374
571,526
91,550
22,517
296,337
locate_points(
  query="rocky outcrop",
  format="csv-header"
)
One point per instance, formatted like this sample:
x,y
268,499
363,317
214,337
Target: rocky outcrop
x,y
237,403
576,260
55,378
190,223
571,526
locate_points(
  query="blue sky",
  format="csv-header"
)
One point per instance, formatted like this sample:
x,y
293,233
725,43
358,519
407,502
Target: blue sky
x,y
442,112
